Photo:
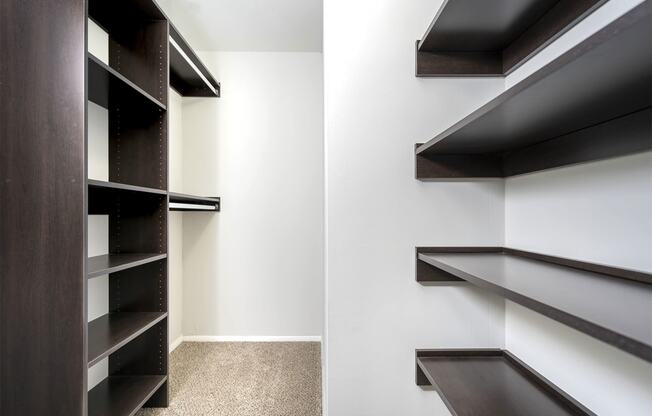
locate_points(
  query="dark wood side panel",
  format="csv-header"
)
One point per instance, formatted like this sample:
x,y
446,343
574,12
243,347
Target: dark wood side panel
x,y
138,50
42,213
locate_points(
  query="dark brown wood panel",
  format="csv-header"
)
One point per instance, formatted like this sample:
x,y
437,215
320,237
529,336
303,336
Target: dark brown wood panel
x,y
138,225
139,50
493,38
147,354
138,147
491,382
42,213
590,298
140,289
122,395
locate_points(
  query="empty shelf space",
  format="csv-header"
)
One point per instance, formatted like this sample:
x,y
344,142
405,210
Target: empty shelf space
x,y
593,102
111,263
491,382
92,183
110,332
184,202
188,75
122,395
613,305
106,84
481,38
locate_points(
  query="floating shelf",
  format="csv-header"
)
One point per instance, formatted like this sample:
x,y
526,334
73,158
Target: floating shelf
x,y
112,331
122,395
106,84
493,38
491,382
593,102
610,304
184,202
188,75
112,263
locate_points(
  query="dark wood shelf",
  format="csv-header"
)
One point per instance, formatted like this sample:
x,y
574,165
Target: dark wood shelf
x,y
611,304
591,103
99,185
185,202
491,382
188,75
122,395
112,263
112,331
481,38
111,16
106,84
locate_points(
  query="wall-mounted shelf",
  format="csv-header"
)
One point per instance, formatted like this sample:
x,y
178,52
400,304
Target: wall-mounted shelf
x,y
112,331
611,304
491,382
122,395
591,103
106,84
112,263
493,38
188,75
184,202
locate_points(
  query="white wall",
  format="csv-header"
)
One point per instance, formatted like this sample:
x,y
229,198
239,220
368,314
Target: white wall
x,y
597,212
376,110
256,268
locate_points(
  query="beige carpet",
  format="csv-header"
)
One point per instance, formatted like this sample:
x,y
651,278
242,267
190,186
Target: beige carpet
x,y
244,379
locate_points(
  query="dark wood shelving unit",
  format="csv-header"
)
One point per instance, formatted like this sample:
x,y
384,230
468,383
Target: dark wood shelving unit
x,y
106,84
493,38
591,103
588,297
188,75
112,331
133,87
113,263
122,395
185,202
489,382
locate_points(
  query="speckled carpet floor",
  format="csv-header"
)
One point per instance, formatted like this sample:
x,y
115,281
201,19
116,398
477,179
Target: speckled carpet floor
x,y
244,379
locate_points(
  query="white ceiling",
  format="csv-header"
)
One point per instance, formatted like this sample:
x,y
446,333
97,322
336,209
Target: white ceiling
x,y
248,25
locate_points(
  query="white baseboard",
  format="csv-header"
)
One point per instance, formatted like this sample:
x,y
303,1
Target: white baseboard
x,y
262,338
176,343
